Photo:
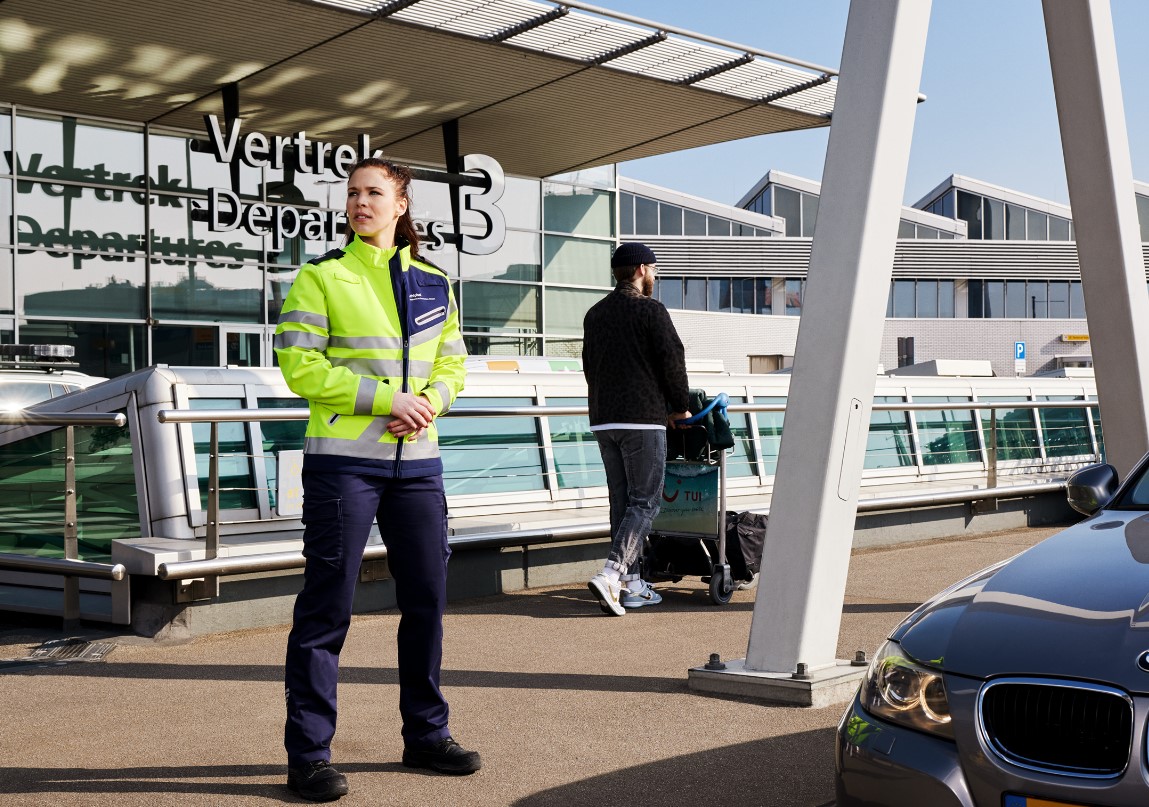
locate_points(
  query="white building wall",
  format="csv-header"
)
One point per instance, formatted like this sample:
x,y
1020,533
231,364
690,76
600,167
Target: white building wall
x,y
733,338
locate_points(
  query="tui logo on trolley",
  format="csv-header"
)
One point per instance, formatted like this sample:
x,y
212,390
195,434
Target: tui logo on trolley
x,y
689,499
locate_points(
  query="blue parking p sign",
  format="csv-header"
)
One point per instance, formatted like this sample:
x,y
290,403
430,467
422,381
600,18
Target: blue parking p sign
x,y
1019,350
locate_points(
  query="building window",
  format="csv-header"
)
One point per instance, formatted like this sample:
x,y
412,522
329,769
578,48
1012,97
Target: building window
x,y
645,216
795,289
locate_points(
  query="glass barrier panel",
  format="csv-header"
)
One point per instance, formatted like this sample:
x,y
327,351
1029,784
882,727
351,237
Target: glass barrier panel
x,y
889,443
1065,432
742,462
1016,430
948,436
32,493
493,454
1095,413
236,476
577,459
770,434
279,435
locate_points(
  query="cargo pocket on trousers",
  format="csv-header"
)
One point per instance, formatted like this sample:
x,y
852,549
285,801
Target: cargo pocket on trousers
x,y
323,533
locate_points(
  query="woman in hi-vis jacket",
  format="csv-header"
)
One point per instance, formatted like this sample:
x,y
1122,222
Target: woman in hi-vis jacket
x,y
369,335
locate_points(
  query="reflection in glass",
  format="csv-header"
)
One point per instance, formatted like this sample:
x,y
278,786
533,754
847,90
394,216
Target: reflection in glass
x,y
719,294
809,214
994,222
601,177
199,291
490,455
717,226
488,345
694,295
770,433
85,219
176,235
927,298
566,309
969,211
68,284
577,261
788,205
106,349
501,307
1058,229
626,214
32,490
945,298
742,294
517,259
948,436
1037,226
694,223
668,290
5,141
1065,432
994,298
740,462
578,463
889,443
1038,306
236,474
1059,299
1015,222
186,346
1095,415
580,211
7,294
1015,302
1016,430
1076,300
794,291
5,209
906,229
176,168
764,295
669,219
276,436
81,151
645,216
903,298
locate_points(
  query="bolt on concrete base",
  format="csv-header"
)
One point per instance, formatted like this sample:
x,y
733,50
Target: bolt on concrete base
x,y
825,686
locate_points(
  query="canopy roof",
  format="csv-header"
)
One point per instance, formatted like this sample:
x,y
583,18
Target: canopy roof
x,y
539,86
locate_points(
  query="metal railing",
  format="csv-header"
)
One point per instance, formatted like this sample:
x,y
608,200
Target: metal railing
x,y
205,573
70,566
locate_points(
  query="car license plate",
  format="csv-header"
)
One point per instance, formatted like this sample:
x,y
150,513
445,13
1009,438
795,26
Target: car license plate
x,y
1030,801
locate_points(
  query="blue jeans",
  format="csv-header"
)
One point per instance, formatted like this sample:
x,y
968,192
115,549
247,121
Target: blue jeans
x,y
635,463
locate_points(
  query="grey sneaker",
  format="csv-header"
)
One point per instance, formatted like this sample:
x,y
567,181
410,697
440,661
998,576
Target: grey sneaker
x,y
644,596
608,594
317,781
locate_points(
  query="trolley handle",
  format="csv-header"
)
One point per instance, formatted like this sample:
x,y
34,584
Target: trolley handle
x,y
720,402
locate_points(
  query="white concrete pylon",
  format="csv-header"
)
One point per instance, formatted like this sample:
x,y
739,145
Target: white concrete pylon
x,y
798,610
1095,143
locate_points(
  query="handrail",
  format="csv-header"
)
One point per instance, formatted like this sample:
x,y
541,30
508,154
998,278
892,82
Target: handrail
x,y
278,561
70,566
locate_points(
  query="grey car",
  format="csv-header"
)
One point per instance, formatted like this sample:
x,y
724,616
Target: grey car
x,y
1025,685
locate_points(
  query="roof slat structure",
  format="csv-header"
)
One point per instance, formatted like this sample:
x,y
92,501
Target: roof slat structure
x,y
533,83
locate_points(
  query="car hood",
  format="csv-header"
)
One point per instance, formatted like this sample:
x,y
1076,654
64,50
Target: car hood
x,y
1075,605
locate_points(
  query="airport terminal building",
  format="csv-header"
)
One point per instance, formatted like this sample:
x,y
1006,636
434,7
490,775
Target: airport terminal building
x,y
160,193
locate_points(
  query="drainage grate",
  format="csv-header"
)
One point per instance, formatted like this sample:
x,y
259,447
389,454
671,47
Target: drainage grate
x,y
60,651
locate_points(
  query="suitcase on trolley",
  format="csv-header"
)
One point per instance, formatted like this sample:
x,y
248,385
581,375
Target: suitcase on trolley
x,y
689,534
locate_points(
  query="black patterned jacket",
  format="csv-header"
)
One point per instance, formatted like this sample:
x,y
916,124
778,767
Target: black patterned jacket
x,y
633,360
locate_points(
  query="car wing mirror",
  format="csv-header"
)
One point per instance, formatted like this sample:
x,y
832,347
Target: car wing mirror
x,y
1091,488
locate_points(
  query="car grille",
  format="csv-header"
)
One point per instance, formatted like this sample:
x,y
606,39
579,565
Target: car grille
x,y
1058,727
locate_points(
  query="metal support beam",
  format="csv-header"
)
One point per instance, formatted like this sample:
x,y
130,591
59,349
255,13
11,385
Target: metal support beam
x,y
653,39
702,75
797,614
529,25
1086,83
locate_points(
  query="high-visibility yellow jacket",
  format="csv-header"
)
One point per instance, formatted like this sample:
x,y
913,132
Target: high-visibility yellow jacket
x,y
359,325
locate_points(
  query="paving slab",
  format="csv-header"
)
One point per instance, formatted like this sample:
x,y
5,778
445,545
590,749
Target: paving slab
x,y
567,706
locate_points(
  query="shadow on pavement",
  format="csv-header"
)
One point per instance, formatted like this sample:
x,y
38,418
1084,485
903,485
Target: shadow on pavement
x,y
774,772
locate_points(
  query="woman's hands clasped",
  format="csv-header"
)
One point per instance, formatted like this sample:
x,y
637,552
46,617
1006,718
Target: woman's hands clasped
x,y
410,415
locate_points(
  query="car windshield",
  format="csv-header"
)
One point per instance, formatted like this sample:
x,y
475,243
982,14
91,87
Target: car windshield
x,y
16,395
1136,495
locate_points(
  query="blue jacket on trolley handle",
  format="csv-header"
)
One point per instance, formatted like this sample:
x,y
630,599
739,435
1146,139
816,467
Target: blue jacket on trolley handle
x,y
359,325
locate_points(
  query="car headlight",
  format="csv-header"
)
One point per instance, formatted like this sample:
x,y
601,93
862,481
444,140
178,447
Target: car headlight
x,y
900,691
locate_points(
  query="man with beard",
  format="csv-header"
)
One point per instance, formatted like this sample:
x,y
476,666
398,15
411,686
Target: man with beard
x,y
635,370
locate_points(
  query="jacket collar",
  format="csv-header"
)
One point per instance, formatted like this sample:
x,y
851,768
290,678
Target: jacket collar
x,y
628,289
380,258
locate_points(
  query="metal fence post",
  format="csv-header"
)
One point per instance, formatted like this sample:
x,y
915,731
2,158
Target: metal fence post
x,y
992,450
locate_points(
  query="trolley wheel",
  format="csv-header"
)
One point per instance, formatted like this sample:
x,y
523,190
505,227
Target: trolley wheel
x,y
721,587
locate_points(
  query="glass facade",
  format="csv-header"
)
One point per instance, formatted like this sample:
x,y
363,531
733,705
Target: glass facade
x,y
1025,299
101,249
639,215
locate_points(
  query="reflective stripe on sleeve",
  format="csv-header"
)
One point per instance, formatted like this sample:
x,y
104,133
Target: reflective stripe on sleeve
x,y
455,347
365,395
367,342
383,368
305,318
304,339
444,395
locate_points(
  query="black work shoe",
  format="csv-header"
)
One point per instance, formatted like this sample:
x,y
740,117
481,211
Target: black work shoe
x,y
446,756
317,781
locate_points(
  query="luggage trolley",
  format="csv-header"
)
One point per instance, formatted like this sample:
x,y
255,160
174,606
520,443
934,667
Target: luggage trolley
x,y
689,534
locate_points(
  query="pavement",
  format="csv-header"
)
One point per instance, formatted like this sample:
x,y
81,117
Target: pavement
x,y
567,706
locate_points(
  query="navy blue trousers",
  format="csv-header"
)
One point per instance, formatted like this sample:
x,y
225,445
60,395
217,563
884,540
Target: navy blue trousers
x,y
338,511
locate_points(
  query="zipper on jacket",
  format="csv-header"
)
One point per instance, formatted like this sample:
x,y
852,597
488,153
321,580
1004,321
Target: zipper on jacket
x,y
399,285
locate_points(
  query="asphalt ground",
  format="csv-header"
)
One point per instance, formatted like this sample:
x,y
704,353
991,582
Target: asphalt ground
x,y
568,707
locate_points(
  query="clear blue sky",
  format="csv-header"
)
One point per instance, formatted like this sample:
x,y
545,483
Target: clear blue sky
x,y
990,112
